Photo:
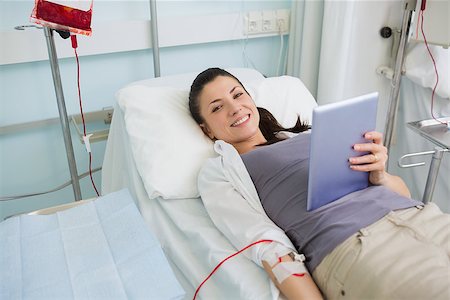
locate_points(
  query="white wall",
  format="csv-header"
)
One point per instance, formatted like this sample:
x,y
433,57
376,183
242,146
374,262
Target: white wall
x,y
352,50
35,160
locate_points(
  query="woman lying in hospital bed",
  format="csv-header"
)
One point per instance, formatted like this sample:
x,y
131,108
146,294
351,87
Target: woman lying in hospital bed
x,y
375,243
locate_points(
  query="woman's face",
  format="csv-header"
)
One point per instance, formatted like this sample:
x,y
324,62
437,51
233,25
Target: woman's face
x,y
229,113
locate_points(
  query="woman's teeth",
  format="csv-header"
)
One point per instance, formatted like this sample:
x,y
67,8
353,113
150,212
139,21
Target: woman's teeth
x,y
240,121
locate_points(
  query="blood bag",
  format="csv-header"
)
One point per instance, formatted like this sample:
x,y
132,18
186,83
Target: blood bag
x,y
74,15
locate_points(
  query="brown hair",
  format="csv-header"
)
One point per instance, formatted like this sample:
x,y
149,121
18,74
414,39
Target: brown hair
x,y
268,125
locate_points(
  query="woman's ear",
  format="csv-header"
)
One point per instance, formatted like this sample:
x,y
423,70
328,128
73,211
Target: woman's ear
x,y
206,131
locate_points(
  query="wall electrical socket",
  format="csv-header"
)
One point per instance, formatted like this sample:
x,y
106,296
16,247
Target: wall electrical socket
x,y
282,16
269,21
108,114
253,22
266,22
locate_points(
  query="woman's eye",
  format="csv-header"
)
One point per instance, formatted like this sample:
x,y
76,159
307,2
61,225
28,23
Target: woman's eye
x,y
237,95
216,108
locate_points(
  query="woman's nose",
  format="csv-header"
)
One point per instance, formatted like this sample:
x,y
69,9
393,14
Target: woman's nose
x,y
235,107
234,110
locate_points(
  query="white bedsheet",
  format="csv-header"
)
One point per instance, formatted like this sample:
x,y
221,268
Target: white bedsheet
x,y
191,242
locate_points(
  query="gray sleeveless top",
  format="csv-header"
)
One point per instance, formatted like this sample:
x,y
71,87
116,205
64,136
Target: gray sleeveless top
x,y
280,175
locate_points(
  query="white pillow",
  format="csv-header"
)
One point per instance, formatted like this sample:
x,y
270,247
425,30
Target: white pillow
x,y
168,146
286,98
420,69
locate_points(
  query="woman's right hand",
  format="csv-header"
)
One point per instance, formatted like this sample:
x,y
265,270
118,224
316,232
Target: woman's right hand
x,y
375,164
375,161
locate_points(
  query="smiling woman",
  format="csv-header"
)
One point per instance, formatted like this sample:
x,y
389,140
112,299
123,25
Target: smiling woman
x,y
225,111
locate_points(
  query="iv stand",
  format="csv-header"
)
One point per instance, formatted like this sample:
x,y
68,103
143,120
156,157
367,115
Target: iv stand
x,y
154,33
409,6
62,112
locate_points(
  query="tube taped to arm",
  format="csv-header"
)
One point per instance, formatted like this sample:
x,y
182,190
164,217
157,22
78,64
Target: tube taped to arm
x,y
273,252
287,268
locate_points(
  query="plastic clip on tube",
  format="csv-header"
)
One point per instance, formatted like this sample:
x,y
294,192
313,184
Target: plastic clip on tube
x,y
423,5
87,144
73,39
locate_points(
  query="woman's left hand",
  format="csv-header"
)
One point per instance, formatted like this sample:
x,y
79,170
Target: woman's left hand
x,y
375,161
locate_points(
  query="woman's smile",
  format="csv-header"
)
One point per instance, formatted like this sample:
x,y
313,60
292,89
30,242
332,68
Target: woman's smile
x,y
241,120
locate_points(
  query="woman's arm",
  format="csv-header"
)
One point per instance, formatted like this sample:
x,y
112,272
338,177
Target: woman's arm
x,y
242,224
375,163
295,287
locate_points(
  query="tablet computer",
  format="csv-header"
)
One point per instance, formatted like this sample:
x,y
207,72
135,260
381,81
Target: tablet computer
x,y
336,127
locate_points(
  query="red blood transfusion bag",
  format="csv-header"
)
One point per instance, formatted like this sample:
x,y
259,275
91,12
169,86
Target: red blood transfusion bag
x,y
74,16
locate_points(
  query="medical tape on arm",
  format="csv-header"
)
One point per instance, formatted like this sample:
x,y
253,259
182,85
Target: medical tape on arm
x,y
274,252
284,269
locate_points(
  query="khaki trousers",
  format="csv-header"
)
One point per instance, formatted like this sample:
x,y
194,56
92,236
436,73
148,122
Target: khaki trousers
x,y
405,255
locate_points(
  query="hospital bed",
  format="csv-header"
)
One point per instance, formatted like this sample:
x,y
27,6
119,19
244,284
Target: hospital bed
x,y
163,185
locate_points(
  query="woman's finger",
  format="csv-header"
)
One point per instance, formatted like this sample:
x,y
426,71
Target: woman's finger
x,y
366,159
370,147
375,136
375,167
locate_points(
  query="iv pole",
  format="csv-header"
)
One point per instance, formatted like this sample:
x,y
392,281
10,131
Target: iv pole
x,y
154,33
409,6
60,95
62,112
